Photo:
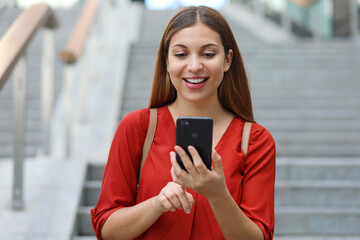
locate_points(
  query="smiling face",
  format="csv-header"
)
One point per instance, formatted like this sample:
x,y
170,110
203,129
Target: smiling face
x,y
196,63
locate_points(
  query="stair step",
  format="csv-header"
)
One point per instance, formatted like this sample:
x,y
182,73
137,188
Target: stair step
x,y
91,193
317,193
95,171
313,125
323,237
84,238
333,169
84,222
307,114
317,221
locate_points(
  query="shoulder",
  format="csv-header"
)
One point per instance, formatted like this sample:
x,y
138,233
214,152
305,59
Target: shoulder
x,y
134,123
260,134
136,117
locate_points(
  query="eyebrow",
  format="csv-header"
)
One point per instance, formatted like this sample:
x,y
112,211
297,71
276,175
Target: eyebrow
x,y
204,46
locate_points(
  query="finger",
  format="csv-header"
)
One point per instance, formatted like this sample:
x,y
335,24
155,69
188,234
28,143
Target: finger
x,y
175,177
175,165
186,204
190,198
173,198
186,160
198,162
165,204
217,164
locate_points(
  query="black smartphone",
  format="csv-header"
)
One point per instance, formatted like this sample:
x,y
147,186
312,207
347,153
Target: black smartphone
x,y
197,132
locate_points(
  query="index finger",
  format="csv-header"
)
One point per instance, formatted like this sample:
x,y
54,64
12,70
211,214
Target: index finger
x,y
184,199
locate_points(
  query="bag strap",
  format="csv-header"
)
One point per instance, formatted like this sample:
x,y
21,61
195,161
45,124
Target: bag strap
x,y
148,139
245,137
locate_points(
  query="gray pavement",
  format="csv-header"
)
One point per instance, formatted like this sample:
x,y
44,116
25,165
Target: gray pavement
x,y
51,193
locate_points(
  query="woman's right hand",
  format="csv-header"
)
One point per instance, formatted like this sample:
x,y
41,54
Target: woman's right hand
x,y
173,196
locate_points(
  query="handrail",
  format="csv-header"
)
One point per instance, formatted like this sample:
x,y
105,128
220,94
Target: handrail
x,y
318,29
303,3
15,41
13,46
76,41
69,55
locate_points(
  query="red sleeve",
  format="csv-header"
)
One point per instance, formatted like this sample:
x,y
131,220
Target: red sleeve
x,y
120,177
259,180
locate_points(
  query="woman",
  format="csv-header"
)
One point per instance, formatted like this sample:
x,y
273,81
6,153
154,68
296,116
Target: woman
x,y
198,72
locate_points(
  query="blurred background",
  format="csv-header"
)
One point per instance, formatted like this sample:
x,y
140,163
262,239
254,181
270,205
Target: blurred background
x,y
71,70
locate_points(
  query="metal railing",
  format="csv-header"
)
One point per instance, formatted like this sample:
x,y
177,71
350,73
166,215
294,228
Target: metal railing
x,y
71,55
312,17
13,46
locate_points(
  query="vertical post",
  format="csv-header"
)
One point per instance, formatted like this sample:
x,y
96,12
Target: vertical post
x,y
69,77
19,95
285,19
260,8
47,85
84,76
354,18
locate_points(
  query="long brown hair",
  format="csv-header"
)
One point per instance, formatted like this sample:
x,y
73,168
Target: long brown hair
x,y
234,93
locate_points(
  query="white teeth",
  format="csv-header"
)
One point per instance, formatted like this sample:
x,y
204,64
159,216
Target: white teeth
x,y
195,80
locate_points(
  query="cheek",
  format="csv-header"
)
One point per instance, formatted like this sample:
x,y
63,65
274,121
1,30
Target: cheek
x,y
174,69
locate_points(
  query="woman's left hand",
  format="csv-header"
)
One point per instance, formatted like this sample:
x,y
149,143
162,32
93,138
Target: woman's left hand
x,y
199,178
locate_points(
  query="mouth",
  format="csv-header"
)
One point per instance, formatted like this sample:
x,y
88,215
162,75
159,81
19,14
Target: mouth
x,y
195,80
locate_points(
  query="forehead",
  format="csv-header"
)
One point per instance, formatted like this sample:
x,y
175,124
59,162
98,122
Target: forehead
x,y
198,33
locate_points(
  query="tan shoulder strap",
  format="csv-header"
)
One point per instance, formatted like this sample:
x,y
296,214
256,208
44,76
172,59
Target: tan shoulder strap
x,y
148,139
245,137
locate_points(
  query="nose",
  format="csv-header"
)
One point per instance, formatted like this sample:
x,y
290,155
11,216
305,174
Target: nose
x,y
194,64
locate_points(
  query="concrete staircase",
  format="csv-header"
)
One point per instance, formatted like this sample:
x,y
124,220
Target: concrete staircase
x,y
306,94
83,229
33,135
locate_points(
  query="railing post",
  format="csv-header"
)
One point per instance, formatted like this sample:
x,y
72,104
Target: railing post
x,y
354,18
260,8
69,78
285,19
19,95
84,76
47,85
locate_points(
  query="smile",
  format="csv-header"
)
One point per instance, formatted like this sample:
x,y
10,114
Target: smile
x,y
195,80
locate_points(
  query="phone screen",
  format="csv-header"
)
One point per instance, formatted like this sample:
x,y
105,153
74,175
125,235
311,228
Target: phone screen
x,y
197,132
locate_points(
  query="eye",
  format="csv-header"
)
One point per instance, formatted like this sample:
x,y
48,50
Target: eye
x,y
209,54
180,55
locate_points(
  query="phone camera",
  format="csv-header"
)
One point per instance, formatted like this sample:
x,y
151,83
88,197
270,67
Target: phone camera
x,y
184,123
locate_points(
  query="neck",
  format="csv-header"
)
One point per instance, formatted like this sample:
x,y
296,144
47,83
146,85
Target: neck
x,y
204,109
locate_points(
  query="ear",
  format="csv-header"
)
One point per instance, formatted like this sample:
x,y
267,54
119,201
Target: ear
x,y
228,59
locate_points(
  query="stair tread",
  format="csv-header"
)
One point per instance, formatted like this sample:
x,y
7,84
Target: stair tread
x,y
321,237
316,210
310,184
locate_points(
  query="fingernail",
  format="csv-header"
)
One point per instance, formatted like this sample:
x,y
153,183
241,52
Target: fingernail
x,y
188,211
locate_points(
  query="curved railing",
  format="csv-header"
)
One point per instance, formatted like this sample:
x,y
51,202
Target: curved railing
x,y
70,56
317,18
76,42
13,46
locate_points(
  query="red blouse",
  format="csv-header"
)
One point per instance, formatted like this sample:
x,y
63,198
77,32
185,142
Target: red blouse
x,y
249,179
